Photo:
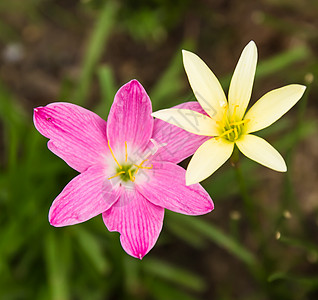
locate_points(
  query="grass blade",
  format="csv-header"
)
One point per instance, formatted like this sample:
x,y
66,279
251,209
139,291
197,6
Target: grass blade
x,y
95,49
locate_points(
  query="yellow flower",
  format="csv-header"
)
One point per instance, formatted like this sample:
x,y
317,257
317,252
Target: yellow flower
x,y
226,121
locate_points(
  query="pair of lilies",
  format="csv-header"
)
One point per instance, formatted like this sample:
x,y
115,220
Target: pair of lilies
x,y
128,165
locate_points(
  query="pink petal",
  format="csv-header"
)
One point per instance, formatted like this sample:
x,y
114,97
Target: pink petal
x,y
85,197
138,221
166,187
130,117
179,144
76,134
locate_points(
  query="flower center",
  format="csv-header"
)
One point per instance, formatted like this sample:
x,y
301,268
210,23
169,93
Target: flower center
x,y
127,171
231,129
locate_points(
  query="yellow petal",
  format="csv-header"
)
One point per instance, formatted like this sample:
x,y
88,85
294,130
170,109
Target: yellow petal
x,y
188,120
272,106
262,152
242,81
206,87
211,155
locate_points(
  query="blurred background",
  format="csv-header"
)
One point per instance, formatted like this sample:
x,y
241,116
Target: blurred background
x,y
260,242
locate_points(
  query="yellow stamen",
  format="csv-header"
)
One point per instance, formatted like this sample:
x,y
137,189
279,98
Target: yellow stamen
x,y
121,172
225,118
234,112
239,122
149,168
140,166
126,153
132,178
143,162
111,151
236,133
224,133
236,123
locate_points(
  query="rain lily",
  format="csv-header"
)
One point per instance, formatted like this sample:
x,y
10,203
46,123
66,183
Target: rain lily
x,y
128,170
227,123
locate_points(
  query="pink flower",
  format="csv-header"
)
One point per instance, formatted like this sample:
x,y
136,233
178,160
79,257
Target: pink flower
x,y
128,167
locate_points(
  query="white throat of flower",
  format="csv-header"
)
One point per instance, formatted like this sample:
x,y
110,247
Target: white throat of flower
x,y
127,169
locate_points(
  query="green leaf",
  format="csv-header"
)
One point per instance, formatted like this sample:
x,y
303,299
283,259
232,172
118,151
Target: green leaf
x,y
217,236
190,237
169,84
174,274
57,261
307,281
299,243
131,268
108,90
161,290
304,130
91,247
96,45
282,61
275,63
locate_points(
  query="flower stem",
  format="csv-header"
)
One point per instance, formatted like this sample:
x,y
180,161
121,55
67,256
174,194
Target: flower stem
x,y
249,206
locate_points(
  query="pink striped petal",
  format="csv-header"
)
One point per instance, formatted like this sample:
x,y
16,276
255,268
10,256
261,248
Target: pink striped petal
x,y
130,118
76,134
166,187
86,196
179,143
138,221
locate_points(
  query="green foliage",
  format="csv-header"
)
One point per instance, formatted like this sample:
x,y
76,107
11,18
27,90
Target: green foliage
x,y
96,45
86,261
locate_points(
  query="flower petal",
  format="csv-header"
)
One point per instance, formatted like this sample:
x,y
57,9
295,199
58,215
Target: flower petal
x,y
242,81
138,221
207,159
188,120
262,152
176,144
272,106
166,188
130,118
76,134
85,197
206,87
